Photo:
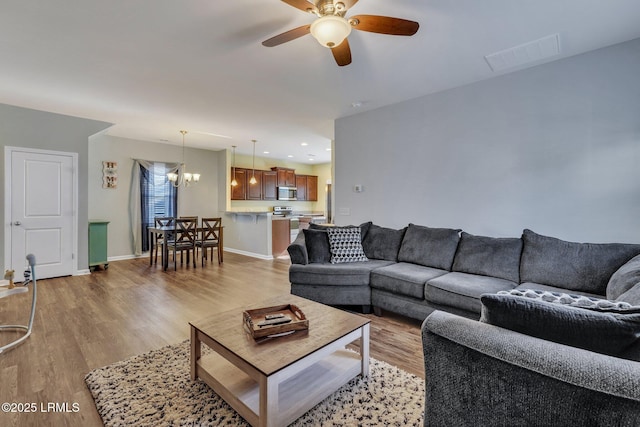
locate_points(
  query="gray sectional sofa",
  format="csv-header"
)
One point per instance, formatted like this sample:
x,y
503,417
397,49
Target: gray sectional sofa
x,y
416,270
558,341
480,374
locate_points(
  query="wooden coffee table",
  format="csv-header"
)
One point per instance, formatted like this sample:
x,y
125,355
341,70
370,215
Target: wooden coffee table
x,y
273,383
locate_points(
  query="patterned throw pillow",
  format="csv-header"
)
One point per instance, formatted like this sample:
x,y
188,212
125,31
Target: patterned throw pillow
x,y
345,244
582,301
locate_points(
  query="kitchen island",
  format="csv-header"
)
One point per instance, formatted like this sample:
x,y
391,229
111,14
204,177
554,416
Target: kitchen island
x,y
258,233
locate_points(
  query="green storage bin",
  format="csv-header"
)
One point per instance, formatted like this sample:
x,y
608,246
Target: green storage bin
x,y
98,244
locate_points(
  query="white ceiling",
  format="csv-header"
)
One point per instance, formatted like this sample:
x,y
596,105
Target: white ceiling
x,y
153,67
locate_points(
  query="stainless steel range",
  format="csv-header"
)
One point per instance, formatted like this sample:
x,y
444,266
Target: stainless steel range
x,y
282,210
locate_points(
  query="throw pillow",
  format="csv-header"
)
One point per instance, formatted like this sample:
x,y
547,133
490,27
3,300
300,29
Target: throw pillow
x,y
614,334
345,244
317,243
584,267
364,227
431,247
625,278
382,243
489,256
582,301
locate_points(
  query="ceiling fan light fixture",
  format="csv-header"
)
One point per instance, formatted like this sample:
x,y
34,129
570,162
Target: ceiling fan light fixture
x,y
330,30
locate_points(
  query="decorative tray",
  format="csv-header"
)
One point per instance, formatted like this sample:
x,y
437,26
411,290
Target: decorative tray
x,y
280,320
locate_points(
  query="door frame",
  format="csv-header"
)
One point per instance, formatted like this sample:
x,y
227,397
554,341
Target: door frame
x,y
8,181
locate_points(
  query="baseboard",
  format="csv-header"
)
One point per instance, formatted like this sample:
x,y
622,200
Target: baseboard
x,y
125,257
251,254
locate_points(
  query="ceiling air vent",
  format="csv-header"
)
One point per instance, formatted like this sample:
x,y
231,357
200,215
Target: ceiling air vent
x,y
526,53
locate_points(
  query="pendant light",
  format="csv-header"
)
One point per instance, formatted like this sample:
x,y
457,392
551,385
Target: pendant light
x,y
253,179
184,178
233,166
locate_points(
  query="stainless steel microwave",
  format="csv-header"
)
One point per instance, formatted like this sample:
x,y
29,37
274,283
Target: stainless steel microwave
x,y
287,193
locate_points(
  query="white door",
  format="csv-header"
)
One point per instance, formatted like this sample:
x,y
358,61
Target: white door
x,y
41,212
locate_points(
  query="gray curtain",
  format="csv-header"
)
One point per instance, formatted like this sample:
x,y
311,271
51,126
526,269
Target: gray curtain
x,y
135,201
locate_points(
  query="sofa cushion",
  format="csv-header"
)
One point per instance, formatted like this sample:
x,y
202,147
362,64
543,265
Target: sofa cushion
x,y
584,267
382,243
489,256
632,296
345,245
625,278
404,278
612,333
317,243
345,274
463,290
431,247
298,250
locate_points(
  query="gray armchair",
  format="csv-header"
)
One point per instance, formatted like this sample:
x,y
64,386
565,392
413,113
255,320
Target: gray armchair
x,y
478,374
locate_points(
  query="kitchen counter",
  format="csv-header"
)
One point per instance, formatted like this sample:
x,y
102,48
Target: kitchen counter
x,y
253,214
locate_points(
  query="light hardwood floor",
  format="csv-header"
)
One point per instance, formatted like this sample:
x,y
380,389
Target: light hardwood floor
x,y
86,322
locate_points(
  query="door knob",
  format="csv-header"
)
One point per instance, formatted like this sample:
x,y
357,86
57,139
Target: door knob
x,y
17,223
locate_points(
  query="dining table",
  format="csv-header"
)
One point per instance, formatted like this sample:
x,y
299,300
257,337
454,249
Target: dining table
x,y
165,231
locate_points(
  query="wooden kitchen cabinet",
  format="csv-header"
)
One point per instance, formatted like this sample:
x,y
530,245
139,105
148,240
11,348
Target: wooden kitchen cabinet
x,y
307,187
239,192
312,188
269,185
254,191
301,185
286,177
280,236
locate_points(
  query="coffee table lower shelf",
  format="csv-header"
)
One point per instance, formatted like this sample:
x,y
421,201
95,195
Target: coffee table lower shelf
x,y
281,398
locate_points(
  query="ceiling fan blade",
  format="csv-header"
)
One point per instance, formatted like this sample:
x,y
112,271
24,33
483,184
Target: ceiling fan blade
x,y
303,5
342,53
287,36
384,25
348,3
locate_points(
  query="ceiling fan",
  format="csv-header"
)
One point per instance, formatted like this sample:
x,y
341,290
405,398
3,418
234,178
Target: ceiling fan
x,y
331,28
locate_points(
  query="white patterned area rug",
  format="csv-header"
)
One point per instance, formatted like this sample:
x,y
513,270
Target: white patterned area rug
x,y
154,389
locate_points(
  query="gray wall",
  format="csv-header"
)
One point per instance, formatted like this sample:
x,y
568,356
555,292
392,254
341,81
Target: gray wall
x,y
554,148
22,127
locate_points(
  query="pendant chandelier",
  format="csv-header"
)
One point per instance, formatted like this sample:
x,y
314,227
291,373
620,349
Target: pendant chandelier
x,y
233,166
253,179
184,178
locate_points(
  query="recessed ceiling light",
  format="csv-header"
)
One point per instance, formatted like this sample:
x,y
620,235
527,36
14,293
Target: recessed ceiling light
x,y
329,149
304,144
290,156
311,159
356,104
265,152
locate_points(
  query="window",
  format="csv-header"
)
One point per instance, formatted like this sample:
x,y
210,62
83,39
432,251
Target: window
x,y
158,197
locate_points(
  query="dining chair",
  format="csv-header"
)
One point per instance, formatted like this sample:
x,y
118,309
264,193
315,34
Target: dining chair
x,y
162,221
29,277
210,238
184,240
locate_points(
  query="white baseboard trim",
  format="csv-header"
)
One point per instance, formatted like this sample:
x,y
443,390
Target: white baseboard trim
x,y
125,257
251,254
82,272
